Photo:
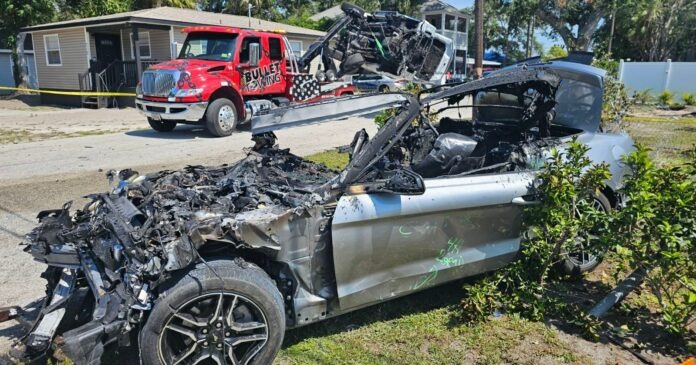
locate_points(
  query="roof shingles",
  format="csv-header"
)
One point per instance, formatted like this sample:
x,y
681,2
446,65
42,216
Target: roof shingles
x,y
186,16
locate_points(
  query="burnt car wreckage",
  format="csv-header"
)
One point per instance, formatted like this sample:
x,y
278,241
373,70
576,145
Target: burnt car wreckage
x,y
212,264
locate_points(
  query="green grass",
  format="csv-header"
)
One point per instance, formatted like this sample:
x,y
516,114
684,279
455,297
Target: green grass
x,y
669,139
423,329
332,159
8,136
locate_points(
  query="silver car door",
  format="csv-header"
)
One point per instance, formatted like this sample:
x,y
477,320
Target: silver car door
x,y
387,245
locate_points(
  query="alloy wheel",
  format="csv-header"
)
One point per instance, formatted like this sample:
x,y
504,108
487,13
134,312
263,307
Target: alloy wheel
x,y
214,328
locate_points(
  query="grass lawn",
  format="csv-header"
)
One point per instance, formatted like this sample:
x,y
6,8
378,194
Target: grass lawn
x,y
669,139
423,328
8,136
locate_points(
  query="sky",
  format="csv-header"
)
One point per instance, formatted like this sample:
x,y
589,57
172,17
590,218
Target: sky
x,y
545,41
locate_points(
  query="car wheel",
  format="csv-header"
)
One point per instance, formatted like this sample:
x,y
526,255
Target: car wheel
x,y
223,312
384,89
221,117
162,125
584,259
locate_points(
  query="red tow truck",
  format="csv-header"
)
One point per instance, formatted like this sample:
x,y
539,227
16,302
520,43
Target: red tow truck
x,y
224,76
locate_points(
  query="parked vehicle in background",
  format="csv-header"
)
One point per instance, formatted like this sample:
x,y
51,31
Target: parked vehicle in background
x,y
378,83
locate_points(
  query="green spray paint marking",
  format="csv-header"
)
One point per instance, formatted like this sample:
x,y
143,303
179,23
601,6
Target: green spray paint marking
x,y
448,257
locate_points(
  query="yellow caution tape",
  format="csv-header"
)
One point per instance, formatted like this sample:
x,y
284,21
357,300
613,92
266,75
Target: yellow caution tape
x,y
75,93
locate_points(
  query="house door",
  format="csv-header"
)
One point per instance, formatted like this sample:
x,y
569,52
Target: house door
x,y
108,48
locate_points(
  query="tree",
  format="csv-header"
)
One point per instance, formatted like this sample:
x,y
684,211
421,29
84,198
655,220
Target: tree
x,y
556,51
505,25
16,14
146,4
652,30
73,9
575,21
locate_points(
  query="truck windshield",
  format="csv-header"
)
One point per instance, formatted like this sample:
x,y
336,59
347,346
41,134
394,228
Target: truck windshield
x,y
209,46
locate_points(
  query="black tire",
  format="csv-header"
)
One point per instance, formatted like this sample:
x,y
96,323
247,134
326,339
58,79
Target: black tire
x,y
574,265
384,89
221,117
162,125
244,287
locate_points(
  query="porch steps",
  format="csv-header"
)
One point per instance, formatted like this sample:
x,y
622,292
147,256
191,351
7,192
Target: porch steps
x,y
91,102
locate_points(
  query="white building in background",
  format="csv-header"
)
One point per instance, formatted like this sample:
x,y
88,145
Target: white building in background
x,y
453,24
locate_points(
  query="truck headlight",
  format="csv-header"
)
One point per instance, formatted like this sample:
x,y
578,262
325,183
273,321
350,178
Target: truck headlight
x,y
181,93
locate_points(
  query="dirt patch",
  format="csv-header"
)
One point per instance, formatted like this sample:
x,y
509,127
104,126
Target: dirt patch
x,y
26,102
33,123
653,112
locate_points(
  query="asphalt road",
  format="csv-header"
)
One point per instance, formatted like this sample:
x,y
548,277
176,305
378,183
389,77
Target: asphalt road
x,y
43,175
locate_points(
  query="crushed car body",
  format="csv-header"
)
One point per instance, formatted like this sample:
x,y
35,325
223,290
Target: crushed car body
x,y
428,199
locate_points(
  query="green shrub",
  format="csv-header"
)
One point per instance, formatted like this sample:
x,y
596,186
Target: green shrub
x,y
643,97
689,98
608,64
615,105
656,230
666,97
555,226
382,117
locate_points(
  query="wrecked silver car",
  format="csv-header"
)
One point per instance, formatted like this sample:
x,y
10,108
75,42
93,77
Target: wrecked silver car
x,y
212,264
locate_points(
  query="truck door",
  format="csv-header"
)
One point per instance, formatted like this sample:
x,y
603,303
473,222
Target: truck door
x,y
266,77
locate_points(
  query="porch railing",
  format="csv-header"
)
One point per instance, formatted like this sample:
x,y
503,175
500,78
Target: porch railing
x,y
113,78
130,71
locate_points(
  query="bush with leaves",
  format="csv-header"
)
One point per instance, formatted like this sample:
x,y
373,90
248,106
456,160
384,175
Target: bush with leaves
x,y
615,105
689,98
566,188
382,117
643,97
656,231
666,98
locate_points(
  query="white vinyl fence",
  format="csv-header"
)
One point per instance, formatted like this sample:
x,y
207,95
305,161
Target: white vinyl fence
x,y
678,77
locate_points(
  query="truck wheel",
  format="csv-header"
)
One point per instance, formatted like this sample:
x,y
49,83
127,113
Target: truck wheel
x,y
584,259
234,317
384,89
221,117
162,125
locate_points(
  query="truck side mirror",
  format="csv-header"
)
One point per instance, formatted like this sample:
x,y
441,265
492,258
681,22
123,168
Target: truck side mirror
x,y
254,54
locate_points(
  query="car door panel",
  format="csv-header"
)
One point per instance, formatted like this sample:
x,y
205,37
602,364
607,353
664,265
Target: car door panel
x,y
386,245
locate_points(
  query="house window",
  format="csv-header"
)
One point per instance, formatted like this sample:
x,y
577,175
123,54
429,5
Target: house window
x,y
52,46
450,22
143,44
274,49
435,20
461,25
296,47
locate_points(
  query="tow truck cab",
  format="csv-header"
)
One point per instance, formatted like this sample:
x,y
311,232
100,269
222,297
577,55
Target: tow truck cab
x,y
223,76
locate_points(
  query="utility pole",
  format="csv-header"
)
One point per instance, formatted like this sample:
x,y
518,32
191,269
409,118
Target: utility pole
x,y
478,34
611,31
250,6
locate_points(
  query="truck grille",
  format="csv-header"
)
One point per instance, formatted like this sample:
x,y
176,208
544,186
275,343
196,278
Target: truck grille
x,y
159,83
